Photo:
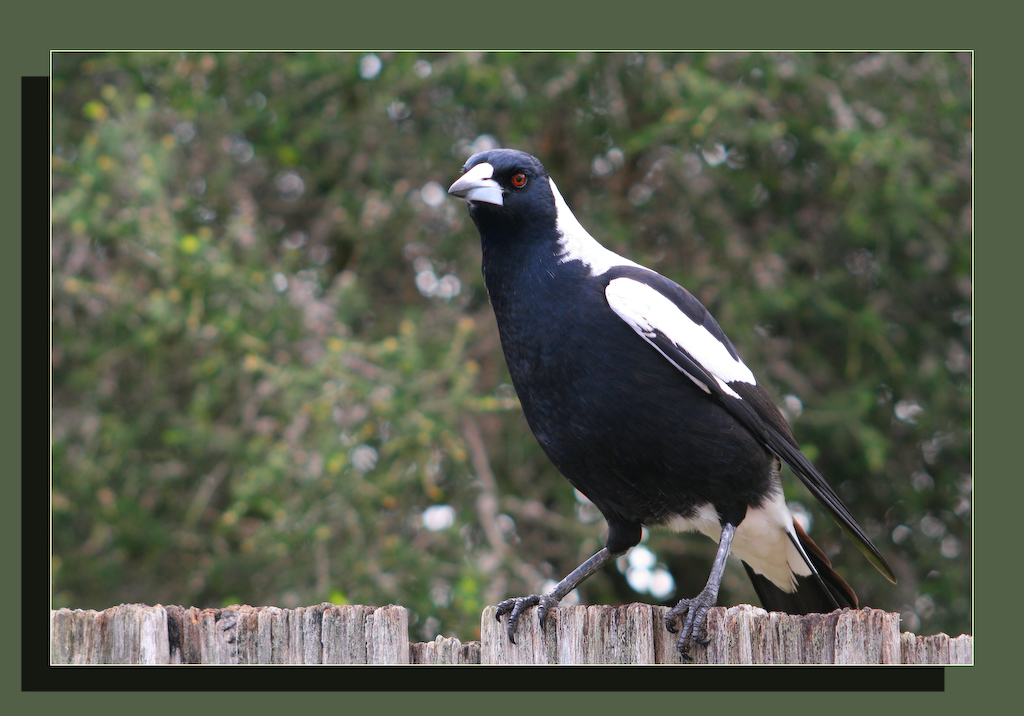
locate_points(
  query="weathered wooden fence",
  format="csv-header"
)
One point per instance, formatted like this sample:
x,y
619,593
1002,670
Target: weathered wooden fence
x,y
630,634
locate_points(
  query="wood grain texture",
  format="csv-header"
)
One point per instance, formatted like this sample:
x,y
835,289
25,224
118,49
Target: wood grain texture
x,y
444,650
936,649
358,634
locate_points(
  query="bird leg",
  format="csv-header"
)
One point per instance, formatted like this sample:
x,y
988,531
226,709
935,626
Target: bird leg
x,y
515,606
696,609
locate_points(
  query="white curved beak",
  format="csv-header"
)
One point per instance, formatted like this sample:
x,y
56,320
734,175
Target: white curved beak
x,y
477,185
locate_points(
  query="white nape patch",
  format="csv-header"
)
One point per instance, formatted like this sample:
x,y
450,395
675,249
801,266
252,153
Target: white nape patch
x,y
646,310
761,540
578,245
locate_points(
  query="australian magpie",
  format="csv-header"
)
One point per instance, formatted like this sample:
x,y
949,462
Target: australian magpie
x,y
642,402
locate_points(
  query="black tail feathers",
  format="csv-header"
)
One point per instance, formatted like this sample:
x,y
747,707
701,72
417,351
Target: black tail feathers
x,y
815,594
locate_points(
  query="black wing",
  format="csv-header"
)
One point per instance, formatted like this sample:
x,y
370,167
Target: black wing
x,y
675,323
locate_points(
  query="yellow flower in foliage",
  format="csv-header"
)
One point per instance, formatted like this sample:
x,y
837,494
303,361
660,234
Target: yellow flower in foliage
x,y
188,244
335,344
95,110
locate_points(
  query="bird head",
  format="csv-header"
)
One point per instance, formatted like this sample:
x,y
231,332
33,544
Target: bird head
x,y
505,184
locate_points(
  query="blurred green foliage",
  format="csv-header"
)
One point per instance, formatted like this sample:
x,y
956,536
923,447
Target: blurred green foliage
x,y
276,378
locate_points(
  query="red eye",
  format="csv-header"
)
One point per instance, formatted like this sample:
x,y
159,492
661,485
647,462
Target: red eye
x,y
519,180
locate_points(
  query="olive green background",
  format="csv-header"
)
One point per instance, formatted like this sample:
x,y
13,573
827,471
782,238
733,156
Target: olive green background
x,y
659,25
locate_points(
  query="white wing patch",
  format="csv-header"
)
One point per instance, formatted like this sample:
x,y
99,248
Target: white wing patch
x,y
578,245
647,311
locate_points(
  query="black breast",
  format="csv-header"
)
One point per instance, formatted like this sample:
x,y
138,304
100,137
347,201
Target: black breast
x,y
618,420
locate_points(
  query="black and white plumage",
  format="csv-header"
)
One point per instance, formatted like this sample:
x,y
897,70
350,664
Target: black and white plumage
x,y
642,402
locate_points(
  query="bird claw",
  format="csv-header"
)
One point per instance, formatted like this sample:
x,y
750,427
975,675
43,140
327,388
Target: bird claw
x,y
515,606
694,628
